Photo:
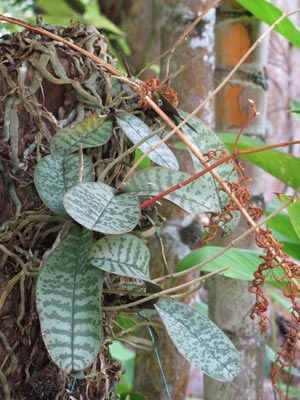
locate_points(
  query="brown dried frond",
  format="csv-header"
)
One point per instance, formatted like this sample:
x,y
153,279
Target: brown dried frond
x,y
215,155
150,88
280,267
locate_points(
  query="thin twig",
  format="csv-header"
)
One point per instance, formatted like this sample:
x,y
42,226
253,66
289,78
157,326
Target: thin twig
x,y
163,293
80,172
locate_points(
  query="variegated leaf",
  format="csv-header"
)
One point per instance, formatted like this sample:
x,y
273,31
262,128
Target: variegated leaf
x,y
91,132
124,255
68,302
196,197
55,174
98,207
199,340
205,140
136,130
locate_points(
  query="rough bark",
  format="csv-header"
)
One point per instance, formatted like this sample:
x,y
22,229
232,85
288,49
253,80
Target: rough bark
x,y
229,300
192,85
35,99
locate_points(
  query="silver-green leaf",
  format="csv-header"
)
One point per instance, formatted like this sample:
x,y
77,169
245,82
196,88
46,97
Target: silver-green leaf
x,y
205,140
55,174
199,340
100,208
91,132
136,130
68,302
196,197
124,255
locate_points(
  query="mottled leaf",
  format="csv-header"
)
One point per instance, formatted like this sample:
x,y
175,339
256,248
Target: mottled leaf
x,y
68,302
98,207
205,140
199,340
136,130
195,197
91,132
55,174
124,255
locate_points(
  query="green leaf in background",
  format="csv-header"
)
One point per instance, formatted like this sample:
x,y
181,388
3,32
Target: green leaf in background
x,y
61,14
93,16
91,132
97,206
283,230
205,140
68,302
146,163
124,255
132,396
136,130
199,340
293,210
295,109
126,357
267,12
55,174
243,263
283,169
196,197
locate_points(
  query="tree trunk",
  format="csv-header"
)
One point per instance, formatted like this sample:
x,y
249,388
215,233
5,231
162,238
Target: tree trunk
x,y
192,85
43,86
229,300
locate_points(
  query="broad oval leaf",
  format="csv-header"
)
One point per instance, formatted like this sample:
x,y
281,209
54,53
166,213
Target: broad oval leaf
x,y
136,130
124,255
91,132
196,197
55,174
205,140
68,302
98,207
199,340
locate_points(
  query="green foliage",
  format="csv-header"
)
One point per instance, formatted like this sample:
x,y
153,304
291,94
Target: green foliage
x,y
124,255
199,340
113,212
294,212
86,11
126,357
91,132
55,174
196,197
68,302
99,207
268,13
204,140
243,263
283,230
136,130
284,167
